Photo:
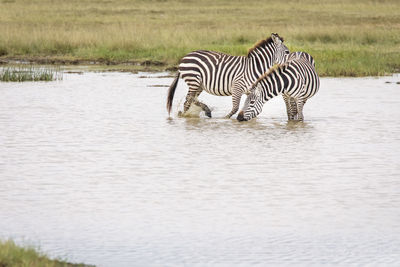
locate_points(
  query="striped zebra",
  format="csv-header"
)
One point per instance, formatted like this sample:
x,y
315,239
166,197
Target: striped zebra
x,y
298,55
224,75
296,80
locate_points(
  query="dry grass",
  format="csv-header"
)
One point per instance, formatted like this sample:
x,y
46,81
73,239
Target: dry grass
x,y
350,38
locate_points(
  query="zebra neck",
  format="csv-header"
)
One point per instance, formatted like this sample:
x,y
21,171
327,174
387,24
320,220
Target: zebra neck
x,y
272,86
260,60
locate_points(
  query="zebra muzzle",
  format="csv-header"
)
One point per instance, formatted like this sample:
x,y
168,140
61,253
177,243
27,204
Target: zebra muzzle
x,y
240,116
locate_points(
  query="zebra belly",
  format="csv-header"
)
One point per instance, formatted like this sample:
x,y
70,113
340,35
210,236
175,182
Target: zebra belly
x,y
303,93
196,81
217,91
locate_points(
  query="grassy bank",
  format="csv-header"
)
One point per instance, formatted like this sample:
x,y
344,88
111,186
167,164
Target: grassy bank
x,y
346,38
12,255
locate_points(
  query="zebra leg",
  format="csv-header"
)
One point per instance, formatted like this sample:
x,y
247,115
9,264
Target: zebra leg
x,y
293,108
285,98
288,107
190,97
203,107
300,104
236,96
193,81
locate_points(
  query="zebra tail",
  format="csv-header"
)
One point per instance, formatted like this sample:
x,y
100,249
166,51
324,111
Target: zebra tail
x,y
171,92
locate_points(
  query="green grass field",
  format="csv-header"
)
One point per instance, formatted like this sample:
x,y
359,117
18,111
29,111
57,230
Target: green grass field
x,y
12,255
346,38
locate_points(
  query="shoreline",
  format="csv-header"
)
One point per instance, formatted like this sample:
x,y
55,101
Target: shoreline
x,y
120,65
131,65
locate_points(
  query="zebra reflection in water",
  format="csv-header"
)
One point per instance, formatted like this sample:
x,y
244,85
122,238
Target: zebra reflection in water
x,y
296,80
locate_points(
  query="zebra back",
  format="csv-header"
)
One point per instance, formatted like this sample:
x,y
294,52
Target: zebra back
x,y
217,72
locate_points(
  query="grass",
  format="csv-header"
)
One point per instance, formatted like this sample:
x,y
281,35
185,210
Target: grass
x,y
12,255
346,38
30,73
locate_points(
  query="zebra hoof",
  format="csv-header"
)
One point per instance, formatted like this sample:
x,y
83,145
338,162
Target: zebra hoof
x,y
208,114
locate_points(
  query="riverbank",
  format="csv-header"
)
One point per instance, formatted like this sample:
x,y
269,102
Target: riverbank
x,y
346,38
89,65
13,255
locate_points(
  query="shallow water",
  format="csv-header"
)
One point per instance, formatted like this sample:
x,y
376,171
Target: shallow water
x,y
93,170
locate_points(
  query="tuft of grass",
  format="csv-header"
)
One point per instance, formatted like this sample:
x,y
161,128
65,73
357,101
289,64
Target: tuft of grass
x,y
31,73
12,255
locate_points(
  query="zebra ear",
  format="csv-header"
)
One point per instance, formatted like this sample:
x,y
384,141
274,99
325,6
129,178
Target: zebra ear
x,y
275,37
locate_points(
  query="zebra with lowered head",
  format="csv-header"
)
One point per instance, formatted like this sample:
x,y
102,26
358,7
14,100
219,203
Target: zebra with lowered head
x,y
224,75
296,80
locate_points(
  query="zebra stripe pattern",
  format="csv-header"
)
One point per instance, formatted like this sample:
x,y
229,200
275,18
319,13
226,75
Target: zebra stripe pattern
x,y
224,75
296,80
212,70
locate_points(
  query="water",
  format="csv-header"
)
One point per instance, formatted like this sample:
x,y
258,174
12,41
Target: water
x,y
92,169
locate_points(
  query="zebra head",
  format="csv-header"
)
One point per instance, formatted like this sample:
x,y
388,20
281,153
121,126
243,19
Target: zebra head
x,y
252,106
282,52
270,51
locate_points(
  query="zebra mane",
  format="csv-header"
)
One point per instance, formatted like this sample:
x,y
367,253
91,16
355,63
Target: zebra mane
x,y
262,43
271,70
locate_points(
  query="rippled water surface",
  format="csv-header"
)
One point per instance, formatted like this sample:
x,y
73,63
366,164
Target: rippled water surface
x,y
92,169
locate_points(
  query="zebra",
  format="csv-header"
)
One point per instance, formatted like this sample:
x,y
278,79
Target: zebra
x,y
224,75
297,80
298,55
